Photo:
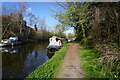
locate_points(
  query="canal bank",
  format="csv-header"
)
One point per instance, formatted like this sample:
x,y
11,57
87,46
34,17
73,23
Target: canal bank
x,y
51,67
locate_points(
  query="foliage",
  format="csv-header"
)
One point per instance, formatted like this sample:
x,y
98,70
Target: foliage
x,y
59,29
88,42
91,66
97,20
48,69
71,36
95,24
59,34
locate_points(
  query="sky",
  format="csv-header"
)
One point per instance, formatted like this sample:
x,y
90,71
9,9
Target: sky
x,y
42,10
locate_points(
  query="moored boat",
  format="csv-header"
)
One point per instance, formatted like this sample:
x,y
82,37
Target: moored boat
x,y
10,42
55,44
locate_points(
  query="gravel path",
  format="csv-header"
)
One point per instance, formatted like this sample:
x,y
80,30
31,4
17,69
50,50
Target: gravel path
x,y
71,64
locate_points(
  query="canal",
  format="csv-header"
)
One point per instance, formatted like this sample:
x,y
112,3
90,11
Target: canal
x,y
19,61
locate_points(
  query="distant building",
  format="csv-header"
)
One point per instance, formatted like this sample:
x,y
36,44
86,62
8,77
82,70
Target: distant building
x,y
5,18
16,17
23,29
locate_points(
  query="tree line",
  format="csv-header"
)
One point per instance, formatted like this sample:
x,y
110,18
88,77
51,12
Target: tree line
x,y
99,21
97,25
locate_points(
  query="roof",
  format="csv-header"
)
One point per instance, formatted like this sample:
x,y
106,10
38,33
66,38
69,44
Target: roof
x,y
54,37
4,16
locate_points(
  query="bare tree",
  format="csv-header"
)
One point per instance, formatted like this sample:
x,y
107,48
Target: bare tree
x,y
14,15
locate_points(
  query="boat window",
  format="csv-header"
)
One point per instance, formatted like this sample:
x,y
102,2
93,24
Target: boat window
x,y
57,39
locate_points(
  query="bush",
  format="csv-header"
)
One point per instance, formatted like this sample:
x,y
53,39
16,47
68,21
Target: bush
x,y
88,42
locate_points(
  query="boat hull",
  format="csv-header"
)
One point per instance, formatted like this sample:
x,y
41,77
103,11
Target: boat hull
x,y
52,49
9,44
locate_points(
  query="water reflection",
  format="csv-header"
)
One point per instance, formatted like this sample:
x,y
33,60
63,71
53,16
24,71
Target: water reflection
x,y
50,55
10,49
19,61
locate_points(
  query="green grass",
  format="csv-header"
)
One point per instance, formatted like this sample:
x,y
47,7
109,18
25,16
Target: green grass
x,y
48,69
91,67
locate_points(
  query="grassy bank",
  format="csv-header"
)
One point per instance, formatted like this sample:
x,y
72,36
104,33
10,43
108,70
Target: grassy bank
x,y
48,69
90,65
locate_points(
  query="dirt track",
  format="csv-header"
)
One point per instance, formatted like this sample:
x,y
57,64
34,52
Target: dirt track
x,y
71,64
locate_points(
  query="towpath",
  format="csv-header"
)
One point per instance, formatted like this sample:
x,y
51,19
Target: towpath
x,y
71,64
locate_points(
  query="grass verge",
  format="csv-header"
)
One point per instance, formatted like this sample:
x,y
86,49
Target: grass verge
x,y
91,67
48,69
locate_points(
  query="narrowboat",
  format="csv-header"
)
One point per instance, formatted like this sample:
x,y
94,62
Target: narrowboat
x,y
55,44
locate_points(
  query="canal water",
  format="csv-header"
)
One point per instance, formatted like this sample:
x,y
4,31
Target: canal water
x,y
19,61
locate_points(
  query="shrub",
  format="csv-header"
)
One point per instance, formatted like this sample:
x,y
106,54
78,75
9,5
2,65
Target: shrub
x,y
88,42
